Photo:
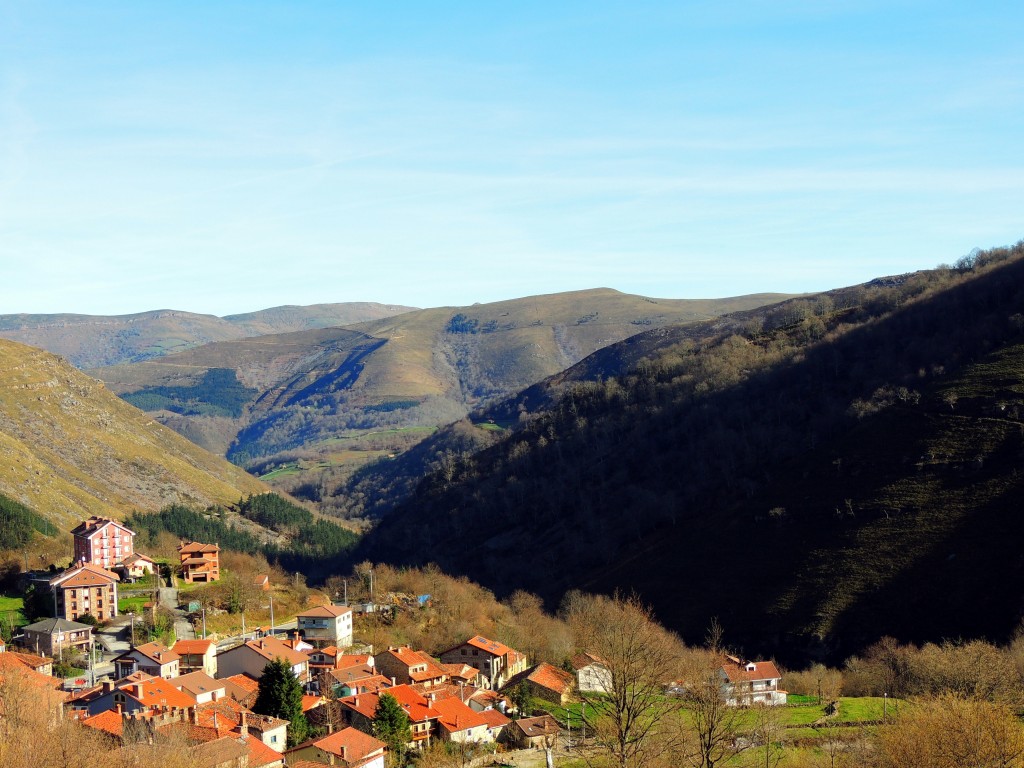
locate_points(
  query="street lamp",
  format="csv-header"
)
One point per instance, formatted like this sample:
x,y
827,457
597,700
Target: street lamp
x,y
132,614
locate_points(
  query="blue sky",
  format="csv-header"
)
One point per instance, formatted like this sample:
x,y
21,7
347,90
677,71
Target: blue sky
x,y
223,157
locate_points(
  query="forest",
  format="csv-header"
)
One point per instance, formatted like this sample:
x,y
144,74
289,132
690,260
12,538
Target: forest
x,y
882,421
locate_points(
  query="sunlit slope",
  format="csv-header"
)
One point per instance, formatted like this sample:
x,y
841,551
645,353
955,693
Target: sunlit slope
x,y
70,448
421,368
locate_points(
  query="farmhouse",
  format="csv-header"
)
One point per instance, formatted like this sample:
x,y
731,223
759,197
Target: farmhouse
x,y
750,682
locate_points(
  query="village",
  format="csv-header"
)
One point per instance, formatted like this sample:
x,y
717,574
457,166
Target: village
x,y
479,697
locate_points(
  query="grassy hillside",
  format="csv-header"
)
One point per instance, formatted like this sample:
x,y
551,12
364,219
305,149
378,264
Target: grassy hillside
x,y
416,370
842,466
91,341
69,448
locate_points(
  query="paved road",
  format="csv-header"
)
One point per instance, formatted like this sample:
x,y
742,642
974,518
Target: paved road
x,y
183,628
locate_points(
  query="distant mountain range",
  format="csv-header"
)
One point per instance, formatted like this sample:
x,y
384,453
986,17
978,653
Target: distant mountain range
x,y
91,341
69,448
815,474
265,399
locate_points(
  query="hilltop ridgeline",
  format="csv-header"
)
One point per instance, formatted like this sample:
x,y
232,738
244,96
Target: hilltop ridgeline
x,y
263,400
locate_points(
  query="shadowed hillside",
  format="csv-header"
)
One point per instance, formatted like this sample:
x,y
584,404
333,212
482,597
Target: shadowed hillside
x,y
846,465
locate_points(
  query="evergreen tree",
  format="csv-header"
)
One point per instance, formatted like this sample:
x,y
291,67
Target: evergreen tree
x,y
391,725
280,695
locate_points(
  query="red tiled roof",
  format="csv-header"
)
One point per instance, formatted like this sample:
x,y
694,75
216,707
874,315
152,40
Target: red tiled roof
x,y
488,646
585,659
84,575
30,660
156,692
358,745
494,718
244,681
551,677
261,755
193,647
195,546
224,713
108,721
311,702
351,659
158,652
410,658
416,707
464,671
270,648
738,673
456,716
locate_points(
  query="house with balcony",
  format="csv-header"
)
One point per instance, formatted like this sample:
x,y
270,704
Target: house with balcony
x,y
83,589
423,717
745,683
197,656
199,563
326,625
495,661
102,542
155,659
408,667
50,637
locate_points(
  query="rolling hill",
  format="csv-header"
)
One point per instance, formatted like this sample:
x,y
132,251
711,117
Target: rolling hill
x,y
829,471
264,400
91,341
69,448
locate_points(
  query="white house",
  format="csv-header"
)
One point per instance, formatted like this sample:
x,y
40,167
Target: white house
x,y
592,674
750,682
327,625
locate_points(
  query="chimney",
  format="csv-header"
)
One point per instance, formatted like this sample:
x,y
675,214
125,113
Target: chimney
x,y
108,686
118,709
344,752
392,681
193,715
355,700
243,727
216,723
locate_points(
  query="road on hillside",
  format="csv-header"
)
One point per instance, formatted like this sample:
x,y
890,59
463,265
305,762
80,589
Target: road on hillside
x,y
183,628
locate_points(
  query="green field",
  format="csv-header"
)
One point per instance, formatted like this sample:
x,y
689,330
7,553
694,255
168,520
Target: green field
x,y
132,604
15,606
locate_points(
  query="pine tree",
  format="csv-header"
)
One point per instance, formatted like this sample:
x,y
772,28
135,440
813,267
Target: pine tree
x,y
391,725
280,695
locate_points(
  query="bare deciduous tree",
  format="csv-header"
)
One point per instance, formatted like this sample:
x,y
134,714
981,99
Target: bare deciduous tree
x,y
634,723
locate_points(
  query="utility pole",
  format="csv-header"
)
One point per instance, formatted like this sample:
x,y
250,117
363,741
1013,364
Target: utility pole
x,y
204,622
346,591
271,614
